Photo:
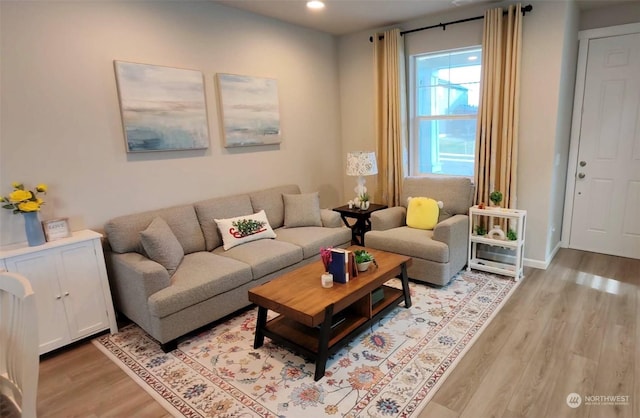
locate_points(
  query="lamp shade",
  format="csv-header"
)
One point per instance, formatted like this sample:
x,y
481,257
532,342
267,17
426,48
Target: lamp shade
x,y
361,163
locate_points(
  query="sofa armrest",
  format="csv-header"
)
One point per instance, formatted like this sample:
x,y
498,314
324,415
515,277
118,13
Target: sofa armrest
x,y
137,277
384,219
330,218
453,230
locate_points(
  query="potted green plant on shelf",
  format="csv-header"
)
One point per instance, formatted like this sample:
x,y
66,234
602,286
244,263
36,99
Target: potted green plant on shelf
x,y
364,260
496,197
480,230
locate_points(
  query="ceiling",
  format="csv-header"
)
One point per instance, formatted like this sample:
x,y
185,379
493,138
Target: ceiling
x,y
341,17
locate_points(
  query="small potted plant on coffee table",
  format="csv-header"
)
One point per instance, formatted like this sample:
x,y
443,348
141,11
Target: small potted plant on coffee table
x,y
364,260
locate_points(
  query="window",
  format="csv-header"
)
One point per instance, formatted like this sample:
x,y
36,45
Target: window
x,y
445,92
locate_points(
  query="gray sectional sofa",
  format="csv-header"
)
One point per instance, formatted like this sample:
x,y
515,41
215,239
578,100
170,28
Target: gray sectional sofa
x,y
194,280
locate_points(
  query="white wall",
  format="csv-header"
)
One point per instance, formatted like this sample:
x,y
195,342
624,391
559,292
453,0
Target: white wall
x,y
546,106
60,121
619,14
568,68
544,80
357,105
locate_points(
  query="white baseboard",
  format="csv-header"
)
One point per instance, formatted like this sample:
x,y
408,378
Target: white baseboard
x,y
539,264
528,262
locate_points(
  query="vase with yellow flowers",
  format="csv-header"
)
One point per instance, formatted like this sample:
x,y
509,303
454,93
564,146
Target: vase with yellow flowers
x,y
28,203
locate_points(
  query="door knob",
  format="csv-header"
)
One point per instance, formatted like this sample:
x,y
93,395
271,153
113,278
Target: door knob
x,y
583,163
581,175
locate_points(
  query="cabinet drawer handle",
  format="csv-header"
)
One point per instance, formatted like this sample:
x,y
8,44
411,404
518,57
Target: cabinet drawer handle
x,y
66,293
58,297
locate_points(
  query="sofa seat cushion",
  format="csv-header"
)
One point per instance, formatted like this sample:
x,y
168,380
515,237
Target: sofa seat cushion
x,y
199,277
409,241
312,238
265,256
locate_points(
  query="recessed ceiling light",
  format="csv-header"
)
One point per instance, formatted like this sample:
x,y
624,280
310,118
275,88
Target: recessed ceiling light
x,y
315,4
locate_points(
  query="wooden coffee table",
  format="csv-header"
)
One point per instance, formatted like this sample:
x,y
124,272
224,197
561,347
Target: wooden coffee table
x,y
317,321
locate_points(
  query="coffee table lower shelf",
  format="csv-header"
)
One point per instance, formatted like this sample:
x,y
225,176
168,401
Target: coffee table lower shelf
x,y
309,341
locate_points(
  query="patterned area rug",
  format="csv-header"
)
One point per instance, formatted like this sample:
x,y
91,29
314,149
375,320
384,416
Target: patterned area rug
x,y
390,370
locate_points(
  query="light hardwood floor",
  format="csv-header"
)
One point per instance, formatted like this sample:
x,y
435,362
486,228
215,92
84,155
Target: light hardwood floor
x,y
572,328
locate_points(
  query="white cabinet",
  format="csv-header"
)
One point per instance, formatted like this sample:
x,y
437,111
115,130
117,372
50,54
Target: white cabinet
x,y
511,264
70,282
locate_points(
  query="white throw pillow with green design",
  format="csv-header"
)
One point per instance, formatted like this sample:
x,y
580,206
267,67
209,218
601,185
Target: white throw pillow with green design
x,y
241,229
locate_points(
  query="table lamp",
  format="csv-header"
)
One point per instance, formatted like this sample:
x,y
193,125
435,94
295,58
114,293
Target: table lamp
x,y
361,163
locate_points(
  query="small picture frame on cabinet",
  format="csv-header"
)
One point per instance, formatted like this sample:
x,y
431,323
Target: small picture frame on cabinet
x,y
56,229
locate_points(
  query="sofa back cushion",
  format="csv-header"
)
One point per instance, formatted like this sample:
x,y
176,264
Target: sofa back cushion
x,y
123,232
456,193
271,201
220,208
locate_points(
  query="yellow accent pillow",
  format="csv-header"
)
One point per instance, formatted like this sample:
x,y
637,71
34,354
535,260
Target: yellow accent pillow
x,y
423,212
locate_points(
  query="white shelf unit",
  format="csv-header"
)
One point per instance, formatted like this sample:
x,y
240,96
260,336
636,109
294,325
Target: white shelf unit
x,y
70,282
475,261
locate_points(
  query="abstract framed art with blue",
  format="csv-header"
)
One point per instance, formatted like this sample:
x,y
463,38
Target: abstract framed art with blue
x,y
250,110
163,108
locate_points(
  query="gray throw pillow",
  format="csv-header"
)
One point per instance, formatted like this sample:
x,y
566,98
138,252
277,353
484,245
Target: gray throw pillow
x,y
161,245
302,210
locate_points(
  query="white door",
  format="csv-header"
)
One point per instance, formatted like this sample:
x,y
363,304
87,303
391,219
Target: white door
x,y
606,200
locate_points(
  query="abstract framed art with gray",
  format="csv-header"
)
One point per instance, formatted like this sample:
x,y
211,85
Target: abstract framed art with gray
x,y
250,110
163,108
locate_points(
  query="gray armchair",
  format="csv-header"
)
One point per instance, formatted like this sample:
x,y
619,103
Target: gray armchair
x,y
439,254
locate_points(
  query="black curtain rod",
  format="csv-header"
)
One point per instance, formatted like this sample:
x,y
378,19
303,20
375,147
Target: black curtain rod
x,y
525,9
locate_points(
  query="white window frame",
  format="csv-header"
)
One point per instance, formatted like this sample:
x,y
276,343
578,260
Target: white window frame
x,y
414,119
